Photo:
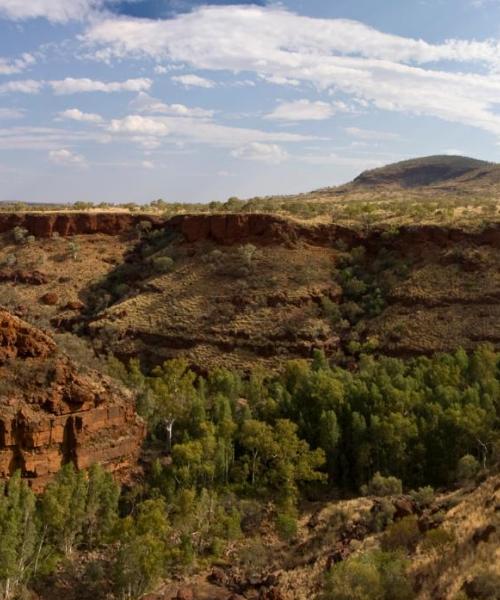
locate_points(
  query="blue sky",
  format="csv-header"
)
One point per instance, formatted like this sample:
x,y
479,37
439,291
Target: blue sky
x,y
120,101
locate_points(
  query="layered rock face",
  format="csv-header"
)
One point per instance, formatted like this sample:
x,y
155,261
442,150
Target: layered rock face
x,y
44,225
52,413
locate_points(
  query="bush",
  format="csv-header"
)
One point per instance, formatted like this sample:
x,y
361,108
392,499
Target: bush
x,y
162,264
286,524
403,535
382,486
424,496
437,539
467,468
371,576
484,586
19,234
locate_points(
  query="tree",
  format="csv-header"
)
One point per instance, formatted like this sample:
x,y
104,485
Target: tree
x,y
18,534
101,506
173,386
63,509
143,550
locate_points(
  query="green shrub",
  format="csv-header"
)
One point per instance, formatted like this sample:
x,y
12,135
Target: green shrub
x,y
286,524
403,535
424,496
467,468
162,264
371,576
437,539
19,234
382,486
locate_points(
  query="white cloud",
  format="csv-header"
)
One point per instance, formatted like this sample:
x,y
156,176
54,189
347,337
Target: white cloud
x,y
11,113
46,138
76,86
53,10
75,114
67,158
371,134
16,65
147,164
279,80
268,153
160,70
21,86
145,103
377,69
146,129
193,81
137,124
302,110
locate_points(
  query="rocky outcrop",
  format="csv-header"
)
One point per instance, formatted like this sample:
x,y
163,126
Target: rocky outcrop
x,y
232,229
52,412
45,225
265,229
23,276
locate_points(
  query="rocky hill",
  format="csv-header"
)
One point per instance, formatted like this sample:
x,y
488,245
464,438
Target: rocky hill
x,y
430,170
52,412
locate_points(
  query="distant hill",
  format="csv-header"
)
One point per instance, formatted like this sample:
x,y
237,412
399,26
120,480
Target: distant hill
x,y
418,172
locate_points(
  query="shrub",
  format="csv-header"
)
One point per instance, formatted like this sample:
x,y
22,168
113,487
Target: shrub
x,y
436,539
403,535
162,264
484,586
382,516
286,524
424,496
467,468
382,486
19,234
371,576
10,260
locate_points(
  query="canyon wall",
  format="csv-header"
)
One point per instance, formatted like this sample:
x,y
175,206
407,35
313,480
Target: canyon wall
x,y
52,412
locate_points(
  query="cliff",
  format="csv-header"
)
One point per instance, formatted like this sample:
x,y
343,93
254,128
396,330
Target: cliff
x,y
52,412
44,225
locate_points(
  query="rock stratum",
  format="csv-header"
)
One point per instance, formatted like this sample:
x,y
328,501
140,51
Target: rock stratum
x,y
52,412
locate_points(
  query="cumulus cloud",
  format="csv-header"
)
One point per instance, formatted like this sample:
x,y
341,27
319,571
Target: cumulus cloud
x,y
193,81
22,86
268,153
59,11
75,114
67,158
76,86
144,103
387,71
16,65
302,110
137,124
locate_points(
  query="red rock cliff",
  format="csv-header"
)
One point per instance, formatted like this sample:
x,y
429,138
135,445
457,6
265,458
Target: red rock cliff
x,y
43,225
52,413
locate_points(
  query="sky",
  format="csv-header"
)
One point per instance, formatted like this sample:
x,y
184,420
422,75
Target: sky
x,y
190,101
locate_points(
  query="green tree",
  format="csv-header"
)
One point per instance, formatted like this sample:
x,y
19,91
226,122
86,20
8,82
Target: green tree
x,y
18,534
143,552
63,509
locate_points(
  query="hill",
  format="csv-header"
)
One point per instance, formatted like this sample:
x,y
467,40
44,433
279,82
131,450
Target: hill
x,y
420,172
